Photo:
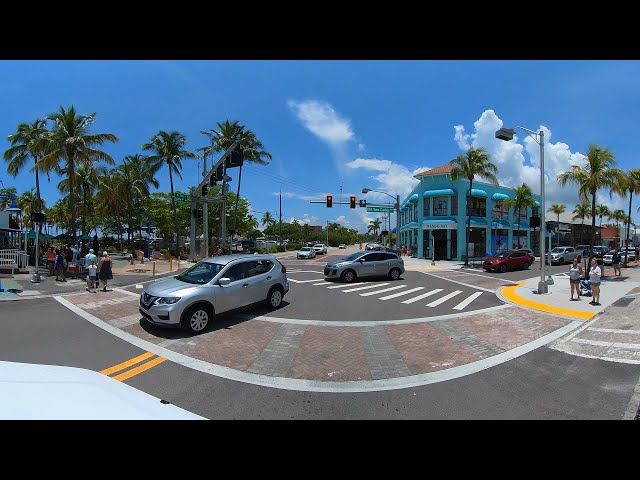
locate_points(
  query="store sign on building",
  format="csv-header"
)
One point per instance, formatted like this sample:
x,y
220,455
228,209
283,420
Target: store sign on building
x,y
439,225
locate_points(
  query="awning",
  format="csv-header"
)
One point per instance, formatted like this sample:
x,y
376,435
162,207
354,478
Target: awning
x,y
413,198
500,196
439,225
476,192
500,224
409,225
443,192
536,203
479,221
522,225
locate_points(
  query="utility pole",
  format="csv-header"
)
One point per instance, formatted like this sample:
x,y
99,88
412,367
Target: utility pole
x,y
280,226
327,233
223,207
205,217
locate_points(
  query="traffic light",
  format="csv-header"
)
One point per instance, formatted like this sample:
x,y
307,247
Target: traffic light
x,y
329,201
205,190
235,158
352,202
218,174
534,221
212,181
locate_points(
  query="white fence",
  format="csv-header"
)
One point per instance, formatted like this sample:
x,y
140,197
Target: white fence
x,y
13,258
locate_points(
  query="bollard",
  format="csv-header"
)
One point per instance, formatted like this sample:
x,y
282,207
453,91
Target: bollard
x,y
171,264
153,268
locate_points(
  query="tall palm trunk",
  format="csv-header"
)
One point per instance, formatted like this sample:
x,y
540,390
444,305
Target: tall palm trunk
x,y
85,207
175,212
518,231
35,158
72,193
626,242
593,228
466,257
558,230
235,212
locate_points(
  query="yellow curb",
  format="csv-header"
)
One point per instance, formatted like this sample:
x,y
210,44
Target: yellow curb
x,y
510,294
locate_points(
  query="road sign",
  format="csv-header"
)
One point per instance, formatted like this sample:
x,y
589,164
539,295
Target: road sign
x,y
380,209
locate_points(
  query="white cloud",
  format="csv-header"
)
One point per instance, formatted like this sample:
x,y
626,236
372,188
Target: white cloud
x,y
307,219
514,168
322,120
393,178
318,196
342,219
361,147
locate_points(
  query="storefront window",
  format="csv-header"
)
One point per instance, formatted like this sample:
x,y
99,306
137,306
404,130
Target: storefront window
x,y
440,206
425,211
499,211
454,208
477,207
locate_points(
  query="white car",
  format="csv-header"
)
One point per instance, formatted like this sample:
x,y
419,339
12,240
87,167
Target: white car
x,y
320,248
342,245
306,252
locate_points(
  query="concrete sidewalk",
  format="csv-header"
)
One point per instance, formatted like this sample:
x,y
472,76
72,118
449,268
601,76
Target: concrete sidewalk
x,y
557,300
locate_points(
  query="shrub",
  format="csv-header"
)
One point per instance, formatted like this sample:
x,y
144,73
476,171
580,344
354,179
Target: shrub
x,y
281,248
164,251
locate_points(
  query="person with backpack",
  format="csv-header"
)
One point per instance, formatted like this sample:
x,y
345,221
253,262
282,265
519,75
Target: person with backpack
x,y
615,260
59,267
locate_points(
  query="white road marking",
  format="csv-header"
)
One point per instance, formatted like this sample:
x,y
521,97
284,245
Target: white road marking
x,y
406,292
302,281
598,343
321,283
381,291
435,303
139,286
462,283
424,295
466,302
340,285
614,330
365,288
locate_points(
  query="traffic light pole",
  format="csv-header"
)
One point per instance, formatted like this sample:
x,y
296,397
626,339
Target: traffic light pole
x,y
192,247
205,218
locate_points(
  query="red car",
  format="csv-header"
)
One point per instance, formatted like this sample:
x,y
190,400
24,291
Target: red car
x,y
509,260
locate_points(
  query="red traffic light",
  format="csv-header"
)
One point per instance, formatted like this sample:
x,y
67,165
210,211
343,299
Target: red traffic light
x,y
329,201
352,202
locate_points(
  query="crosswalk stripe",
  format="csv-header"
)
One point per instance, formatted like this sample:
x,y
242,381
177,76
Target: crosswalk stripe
x,y
437,302
321,283
466,302
341,285
303,281
406,292
381,291
424,295
365,288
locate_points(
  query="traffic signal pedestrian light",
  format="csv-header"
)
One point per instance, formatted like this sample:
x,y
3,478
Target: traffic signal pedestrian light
x,y
329,201
205,190
352,202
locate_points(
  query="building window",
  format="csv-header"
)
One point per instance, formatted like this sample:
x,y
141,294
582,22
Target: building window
x,y
520,214
415,210
499,211
477,207
454,208
440,206
425,211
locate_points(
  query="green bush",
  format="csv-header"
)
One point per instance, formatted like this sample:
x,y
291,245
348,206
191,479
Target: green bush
x,y
281,248
255,250
164,251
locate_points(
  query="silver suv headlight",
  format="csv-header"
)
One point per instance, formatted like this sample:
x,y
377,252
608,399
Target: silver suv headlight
x,y
167,300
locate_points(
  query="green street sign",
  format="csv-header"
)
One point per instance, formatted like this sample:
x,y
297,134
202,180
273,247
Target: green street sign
x,y
380,209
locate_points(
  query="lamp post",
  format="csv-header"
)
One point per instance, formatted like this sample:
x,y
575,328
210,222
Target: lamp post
x,y
396,205
507,134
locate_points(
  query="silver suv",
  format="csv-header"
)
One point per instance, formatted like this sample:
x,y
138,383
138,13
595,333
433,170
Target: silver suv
x,y
213,286
561,255
365,264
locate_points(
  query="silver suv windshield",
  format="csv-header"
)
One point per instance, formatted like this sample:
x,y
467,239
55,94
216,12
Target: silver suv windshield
x,y
200,273
557,250
352,257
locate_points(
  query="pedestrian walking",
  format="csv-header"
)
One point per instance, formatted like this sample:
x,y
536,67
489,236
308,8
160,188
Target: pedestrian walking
x,y
595,276
615,260
575,273
104,270
59,267
51,260
92,277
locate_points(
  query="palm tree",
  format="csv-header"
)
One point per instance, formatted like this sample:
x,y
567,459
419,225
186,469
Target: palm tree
x,y
474,163
374,226
582,211
598,173
602,211
619,216
168,149
9,191
23,146
252,149
86,178
109,203
558,209
267,219
29,203
630,183
522,198
69,144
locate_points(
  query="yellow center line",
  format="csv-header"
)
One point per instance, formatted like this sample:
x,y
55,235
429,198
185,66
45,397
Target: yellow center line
x,y
139,369
510,294
128,363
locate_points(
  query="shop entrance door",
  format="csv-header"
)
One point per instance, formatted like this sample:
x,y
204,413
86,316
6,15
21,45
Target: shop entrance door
x,y
440,244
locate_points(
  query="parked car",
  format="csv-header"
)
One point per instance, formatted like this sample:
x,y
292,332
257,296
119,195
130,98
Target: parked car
x,y
582,251
365,264
529,252
320,248
342,245
561,255
306,252
509,260
631,254
212,286
600,251
376,247
247,244
608,258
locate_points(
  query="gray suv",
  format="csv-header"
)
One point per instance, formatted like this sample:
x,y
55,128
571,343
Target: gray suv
x,y
365,264
562,255
213,286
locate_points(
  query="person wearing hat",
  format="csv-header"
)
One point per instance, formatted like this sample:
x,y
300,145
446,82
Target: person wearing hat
x,y
87,261
104,270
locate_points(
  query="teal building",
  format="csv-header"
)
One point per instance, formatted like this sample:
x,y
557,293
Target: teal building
x,y
433,218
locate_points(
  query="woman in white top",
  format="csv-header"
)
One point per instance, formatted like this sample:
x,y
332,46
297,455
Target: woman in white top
x,y
575,273
595,275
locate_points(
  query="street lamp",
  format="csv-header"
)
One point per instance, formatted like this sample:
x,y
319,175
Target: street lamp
x,y
507,134
397,207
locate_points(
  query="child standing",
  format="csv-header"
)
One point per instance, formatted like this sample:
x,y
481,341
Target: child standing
x,y
92,272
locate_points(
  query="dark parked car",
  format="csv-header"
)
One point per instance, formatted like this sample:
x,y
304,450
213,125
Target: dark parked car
x,y
509,260
599,251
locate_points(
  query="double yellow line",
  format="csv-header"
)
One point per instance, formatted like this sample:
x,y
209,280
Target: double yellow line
x,y
134,371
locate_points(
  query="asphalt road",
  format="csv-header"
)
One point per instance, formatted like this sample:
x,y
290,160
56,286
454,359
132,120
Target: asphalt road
x,y
543,384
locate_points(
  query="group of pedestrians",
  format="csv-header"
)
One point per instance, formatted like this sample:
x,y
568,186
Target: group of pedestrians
x,y
65,259
576,275
98,271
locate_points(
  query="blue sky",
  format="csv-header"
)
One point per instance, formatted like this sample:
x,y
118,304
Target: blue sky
x,y
347,123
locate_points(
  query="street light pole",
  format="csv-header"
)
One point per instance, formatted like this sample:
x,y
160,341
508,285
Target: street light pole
x,y
507,134
397,208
